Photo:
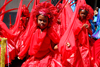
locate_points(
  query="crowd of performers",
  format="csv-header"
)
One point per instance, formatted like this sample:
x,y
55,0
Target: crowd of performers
x,y
53,36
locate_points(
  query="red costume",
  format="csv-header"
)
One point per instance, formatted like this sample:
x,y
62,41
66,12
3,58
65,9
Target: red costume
x,y
75,43
82,37
10,47
39,45
16,30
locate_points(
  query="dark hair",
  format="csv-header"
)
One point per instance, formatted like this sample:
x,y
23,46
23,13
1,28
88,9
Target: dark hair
x,y
85,11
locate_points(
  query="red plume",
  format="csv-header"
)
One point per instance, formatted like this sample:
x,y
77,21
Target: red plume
x,y
10,18
73,3
3,9
29,3
5,5
34,4
68,37
18,17
10,21
48,0
8,11
58,3
63,7
38,1
64,1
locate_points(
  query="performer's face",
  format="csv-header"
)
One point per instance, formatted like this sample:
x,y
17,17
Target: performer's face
x,y
42,21
82,15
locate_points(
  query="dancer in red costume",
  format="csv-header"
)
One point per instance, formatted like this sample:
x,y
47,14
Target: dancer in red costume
x,y
20,45
83,55
75,43
42,37
81,34
15,32
24,19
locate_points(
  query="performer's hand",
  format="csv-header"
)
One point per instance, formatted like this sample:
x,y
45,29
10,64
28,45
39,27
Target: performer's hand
x,y
18,58
85,25
20,18
68,44
55,47
58,21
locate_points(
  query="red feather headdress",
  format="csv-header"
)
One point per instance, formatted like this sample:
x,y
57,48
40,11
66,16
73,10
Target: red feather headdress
x,y
89,9
46,9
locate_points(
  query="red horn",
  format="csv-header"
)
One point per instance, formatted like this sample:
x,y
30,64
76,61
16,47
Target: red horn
x,y
5,5
48,1
58,3
10,25
10,19
63,7
8,11
73,3
29,3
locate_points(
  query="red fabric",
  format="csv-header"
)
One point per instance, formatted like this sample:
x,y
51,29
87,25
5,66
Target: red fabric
x,y
17,21
82,40
32,25
96,51
11,33
64,17
37,41
40,46
19,27
77,37
68,37
38,1
5,30
82,44
80,33
55,63
32,62
25,36
11,37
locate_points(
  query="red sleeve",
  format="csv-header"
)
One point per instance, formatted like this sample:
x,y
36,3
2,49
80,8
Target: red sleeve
x,y
77,31
24,50
77,27
89,30
53,35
